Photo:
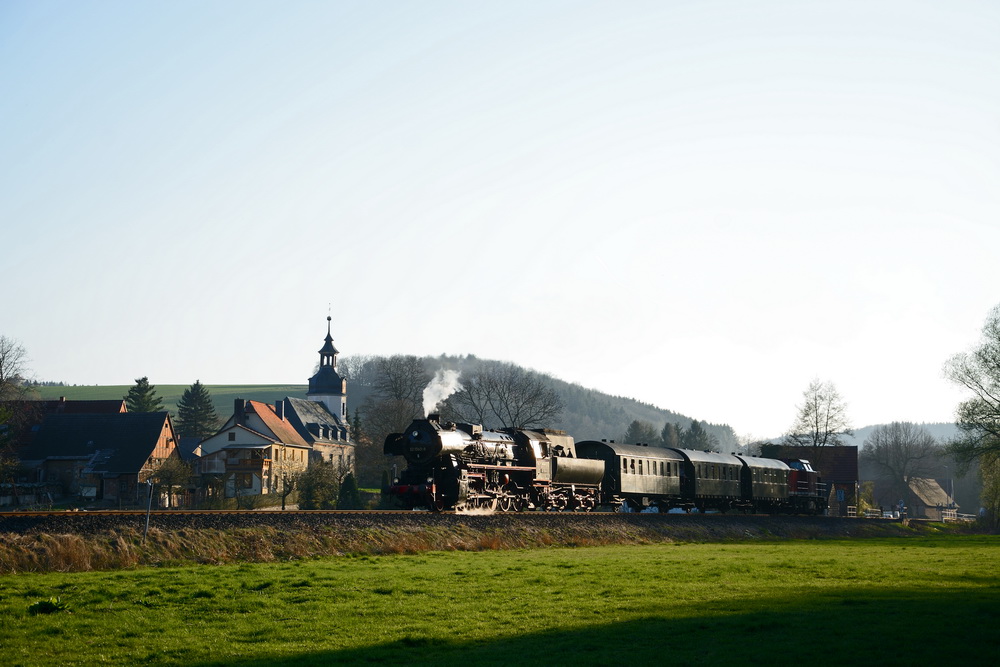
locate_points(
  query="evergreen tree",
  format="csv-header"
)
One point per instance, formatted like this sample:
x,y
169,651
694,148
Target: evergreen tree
x,y
641,433
142,397
671,435
349,498
195,413
697,437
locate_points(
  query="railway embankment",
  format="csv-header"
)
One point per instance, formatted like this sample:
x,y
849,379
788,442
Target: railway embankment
x,y
81,541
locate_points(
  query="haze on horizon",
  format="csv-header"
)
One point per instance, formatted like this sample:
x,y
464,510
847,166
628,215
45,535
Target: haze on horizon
x,y
701,205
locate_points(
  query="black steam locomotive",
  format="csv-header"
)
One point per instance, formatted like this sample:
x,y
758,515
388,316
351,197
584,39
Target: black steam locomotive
x,y
461,466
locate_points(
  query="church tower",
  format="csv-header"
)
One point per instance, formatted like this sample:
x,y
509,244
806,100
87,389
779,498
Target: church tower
x,y
327,387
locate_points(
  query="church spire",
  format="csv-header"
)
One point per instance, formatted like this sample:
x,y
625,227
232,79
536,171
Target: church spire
x,y
326,386
328,354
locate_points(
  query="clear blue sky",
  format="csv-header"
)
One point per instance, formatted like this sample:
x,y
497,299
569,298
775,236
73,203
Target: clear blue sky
x,y
702,205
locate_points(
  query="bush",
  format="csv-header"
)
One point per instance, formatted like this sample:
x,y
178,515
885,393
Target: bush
x,y
50,606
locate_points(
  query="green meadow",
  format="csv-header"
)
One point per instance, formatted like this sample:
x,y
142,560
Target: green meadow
x,y
890,601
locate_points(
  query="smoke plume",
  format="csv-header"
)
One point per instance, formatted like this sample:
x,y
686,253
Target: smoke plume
x,y
444,384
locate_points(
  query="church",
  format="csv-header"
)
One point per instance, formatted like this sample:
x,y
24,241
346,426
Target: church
x,y
261,446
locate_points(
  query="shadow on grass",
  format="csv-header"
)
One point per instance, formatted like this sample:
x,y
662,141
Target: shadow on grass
x,y
838,628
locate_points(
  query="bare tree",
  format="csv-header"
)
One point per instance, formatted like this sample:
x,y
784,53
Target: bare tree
x,y
170,473
13,366
900,452
978,418
359,369
822,420
500,395
397,399
401,378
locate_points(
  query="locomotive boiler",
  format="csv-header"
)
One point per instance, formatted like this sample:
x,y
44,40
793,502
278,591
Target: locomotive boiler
x,y
463,466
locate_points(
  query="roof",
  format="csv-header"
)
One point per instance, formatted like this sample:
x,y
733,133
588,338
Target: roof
x,y
187,445
630,450
301,413
28,415
326,381
282,429
122,442
929,492
757,462
74,407
696,456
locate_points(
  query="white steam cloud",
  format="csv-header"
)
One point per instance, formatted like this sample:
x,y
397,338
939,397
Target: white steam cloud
x,y
444,384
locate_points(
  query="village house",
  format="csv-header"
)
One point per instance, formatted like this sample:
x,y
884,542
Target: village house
x,y
256,452
101,456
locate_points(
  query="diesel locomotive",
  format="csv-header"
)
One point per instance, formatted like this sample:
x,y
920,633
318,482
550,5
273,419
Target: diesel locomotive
x,y
463,466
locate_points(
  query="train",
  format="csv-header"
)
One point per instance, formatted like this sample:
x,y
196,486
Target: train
x,y
458,466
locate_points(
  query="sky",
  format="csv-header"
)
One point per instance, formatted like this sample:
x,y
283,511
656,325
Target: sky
x,y
702,205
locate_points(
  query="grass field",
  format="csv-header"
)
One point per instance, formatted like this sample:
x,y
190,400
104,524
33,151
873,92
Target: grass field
x,y
222,395
875,601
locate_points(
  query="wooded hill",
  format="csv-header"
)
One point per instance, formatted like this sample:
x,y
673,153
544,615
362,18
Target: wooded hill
x,y
587,414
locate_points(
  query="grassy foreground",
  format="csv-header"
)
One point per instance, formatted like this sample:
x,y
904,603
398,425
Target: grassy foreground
x,y
876,601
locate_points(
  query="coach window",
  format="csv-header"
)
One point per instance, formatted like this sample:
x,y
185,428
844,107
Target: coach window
x,y
631,466
625,466
640,466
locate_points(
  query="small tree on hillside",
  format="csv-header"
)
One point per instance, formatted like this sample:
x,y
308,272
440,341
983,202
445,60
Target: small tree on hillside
x,y
142,397
641,432
196,416
670,436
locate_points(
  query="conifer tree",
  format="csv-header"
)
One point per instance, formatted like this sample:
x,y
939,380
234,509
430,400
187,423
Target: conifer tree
x,y
142,397
349,498
196,416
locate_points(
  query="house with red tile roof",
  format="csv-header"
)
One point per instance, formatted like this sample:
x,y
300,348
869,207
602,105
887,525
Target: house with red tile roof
x,y
256,451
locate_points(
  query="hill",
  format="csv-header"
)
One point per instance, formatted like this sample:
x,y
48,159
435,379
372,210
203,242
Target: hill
x,y
588,414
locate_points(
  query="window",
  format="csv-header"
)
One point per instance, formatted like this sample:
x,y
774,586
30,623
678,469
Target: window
x,y
232,437
640,466
625,466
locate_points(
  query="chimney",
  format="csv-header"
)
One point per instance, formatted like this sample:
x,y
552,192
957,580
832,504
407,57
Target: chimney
x,y
279,409
239,410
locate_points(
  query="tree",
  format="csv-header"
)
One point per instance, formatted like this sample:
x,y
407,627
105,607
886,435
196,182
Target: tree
x,y
822,420
503,395
901,451
170,473
13,367
142,397
319,487
978,417
10,463
401,378
641,432
348,498
698,438
670,436
196,415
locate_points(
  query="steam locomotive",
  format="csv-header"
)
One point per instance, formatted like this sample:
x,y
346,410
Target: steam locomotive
x,y
463,466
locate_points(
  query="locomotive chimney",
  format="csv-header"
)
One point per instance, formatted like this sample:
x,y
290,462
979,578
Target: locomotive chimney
x,y
436,417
